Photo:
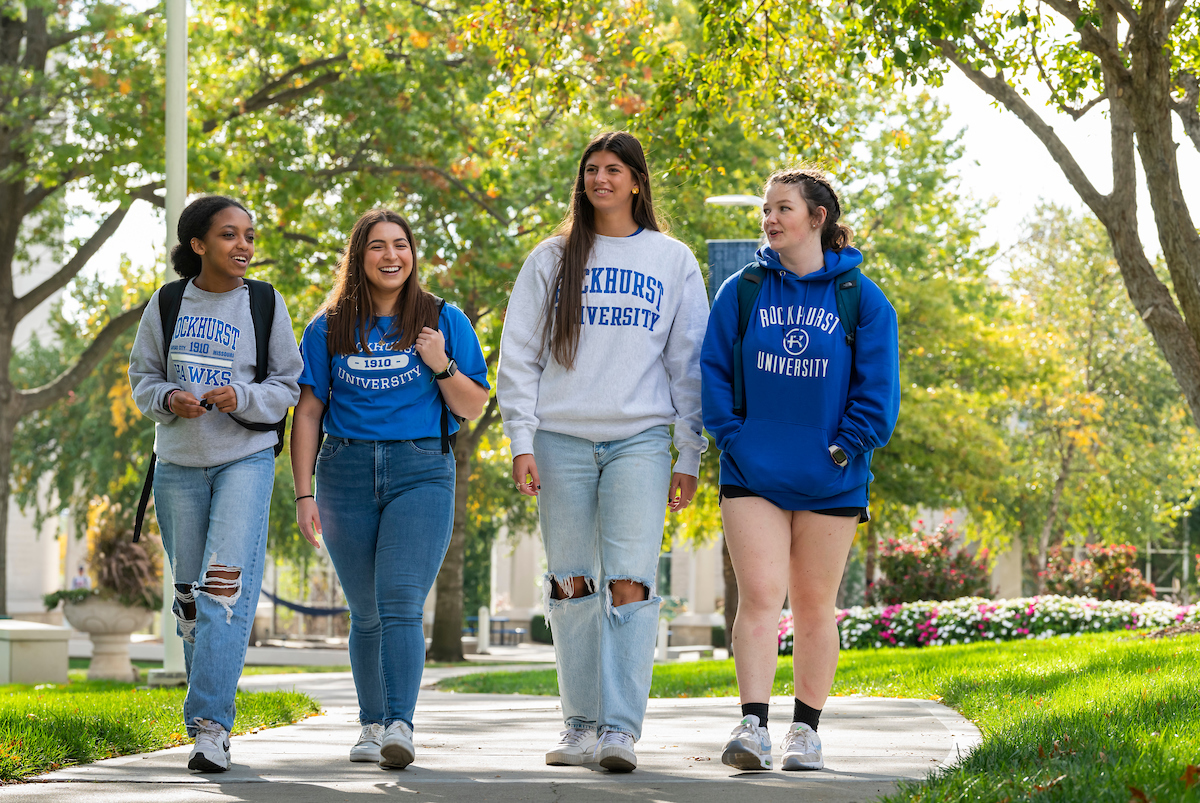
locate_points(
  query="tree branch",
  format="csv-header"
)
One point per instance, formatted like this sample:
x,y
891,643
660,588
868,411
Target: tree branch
x,y
262,97
462,187
1188,109
1059,101
35,196
1008,97
32,399
1090,38
1173,11
26,303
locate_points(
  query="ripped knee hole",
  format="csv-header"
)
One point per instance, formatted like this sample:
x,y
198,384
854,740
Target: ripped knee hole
x,y
221,581
573,587
625,592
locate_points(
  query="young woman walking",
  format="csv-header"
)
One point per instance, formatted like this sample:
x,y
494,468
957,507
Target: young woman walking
x,y
599,358
385,363
796,446
213,479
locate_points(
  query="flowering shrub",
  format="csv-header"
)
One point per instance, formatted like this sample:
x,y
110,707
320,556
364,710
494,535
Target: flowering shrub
x,y
1108,572
923,567
971,619
786,632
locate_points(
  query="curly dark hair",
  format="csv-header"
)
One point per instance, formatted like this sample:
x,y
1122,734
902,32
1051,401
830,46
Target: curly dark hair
x,y
194,221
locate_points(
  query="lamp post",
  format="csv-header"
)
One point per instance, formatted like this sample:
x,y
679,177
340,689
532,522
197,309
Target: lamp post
x,y
727,257
174,672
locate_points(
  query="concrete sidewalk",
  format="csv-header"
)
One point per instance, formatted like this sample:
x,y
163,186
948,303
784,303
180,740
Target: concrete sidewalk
x,y
490,748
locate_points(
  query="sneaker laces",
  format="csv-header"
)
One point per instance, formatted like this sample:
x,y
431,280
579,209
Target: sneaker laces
x,y
617,738
800,740
573,736
212,731
371,732
745,727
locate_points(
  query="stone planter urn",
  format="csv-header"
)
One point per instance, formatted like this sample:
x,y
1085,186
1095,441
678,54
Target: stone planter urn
x,y
108,624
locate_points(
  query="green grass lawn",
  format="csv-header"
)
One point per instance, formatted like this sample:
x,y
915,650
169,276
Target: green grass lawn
x,y
46,727
1103,718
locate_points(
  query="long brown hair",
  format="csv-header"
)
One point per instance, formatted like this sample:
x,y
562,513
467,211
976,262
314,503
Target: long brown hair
x,y
816,191
563,310
349,313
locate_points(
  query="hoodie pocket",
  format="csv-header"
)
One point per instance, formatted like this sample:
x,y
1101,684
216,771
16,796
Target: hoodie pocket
x,y
776,456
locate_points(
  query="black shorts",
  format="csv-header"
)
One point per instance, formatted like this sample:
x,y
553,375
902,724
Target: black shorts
x,y
738,492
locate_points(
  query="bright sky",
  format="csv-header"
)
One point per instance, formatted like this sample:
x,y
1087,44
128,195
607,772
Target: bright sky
x,y
1003,161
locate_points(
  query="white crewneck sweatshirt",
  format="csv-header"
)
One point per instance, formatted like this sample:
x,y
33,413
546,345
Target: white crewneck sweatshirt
x,y
644,316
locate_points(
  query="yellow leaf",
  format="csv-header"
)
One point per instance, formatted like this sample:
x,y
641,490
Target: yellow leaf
x,y
124,86
419,39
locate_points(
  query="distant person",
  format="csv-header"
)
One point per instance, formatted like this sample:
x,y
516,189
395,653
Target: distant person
x,y
215,439
81,580
599,359
389,367
796,437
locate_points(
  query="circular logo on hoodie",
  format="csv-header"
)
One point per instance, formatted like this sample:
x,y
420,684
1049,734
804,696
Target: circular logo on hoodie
x,y
795,341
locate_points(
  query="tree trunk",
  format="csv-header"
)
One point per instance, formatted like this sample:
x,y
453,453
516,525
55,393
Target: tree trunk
x,y
731,595
448,609
7,428
1051,516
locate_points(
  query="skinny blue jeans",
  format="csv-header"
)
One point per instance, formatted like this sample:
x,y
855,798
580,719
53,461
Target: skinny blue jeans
x,y
387,512
215,520
602,507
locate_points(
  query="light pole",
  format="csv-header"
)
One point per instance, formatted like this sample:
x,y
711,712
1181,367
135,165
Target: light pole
x,y
174,672
726,257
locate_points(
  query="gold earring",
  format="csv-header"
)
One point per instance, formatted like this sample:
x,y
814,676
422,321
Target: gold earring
x,y
635,190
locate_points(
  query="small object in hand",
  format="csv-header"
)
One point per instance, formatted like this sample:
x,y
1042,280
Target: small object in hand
x,y
206,404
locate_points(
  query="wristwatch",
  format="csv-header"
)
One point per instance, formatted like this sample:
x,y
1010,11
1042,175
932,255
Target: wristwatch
x,y
451,370
838,456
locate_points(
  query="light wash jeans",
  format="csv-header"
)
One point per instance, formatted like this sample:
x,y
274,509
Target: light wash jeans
x,y
387,512
215,519
602,507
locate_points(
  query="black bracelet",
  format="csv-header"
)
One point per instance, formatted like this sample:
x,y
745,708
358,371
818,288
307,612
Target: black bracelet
x,y
306,496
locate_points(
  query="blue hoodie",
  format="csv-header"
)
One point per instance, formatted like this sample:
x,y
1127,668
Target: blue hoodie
x,y
802,393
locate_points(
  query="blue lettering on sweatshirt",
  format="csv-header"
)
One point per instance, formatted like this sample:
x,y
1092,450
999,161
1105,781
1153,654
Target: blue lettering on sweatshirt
x,y
205,328
622,281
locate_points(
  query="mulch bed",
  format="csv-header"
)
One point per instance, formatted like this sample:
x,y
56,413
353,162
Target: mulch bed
x,y
1176,630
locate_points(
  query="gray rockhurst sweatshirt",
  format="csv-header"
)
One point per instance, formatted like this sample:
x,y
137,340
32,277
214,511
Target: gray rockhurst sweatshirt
x,y
213,346
644,315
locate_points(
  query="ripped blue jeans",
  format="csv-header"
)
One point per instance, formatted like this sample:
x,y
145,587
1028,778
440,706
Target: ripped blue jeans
x,y
602,507
214,530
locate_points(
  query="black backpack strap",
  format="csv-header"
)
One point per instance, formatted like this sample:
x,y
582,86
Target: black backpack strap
x,y
262,313
748,287
848,294
170,298
147,488
448,440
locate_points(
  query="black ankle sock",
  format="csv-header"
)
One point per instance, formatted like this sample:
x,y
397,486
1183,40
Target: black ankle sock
x,y
806,714
757,709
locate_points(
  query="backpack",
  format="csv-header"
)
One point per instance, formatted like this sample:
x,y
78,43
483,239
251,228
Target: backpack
x,y
847,295
262,313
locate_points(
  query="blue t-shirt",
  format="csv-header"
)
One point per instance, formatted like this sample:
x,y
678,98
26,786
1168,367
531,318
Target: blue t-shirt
x,y
390,395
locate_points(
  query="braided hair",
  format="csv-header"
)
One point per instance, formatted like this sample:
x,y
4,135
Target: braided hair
x,y
194,222
817,192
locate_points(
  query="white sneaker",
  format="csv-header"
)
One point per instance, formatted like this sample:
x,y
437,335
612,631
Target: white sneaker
x,y
749,746
367,746
574,747
802,749
396,748
614,751
211,751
